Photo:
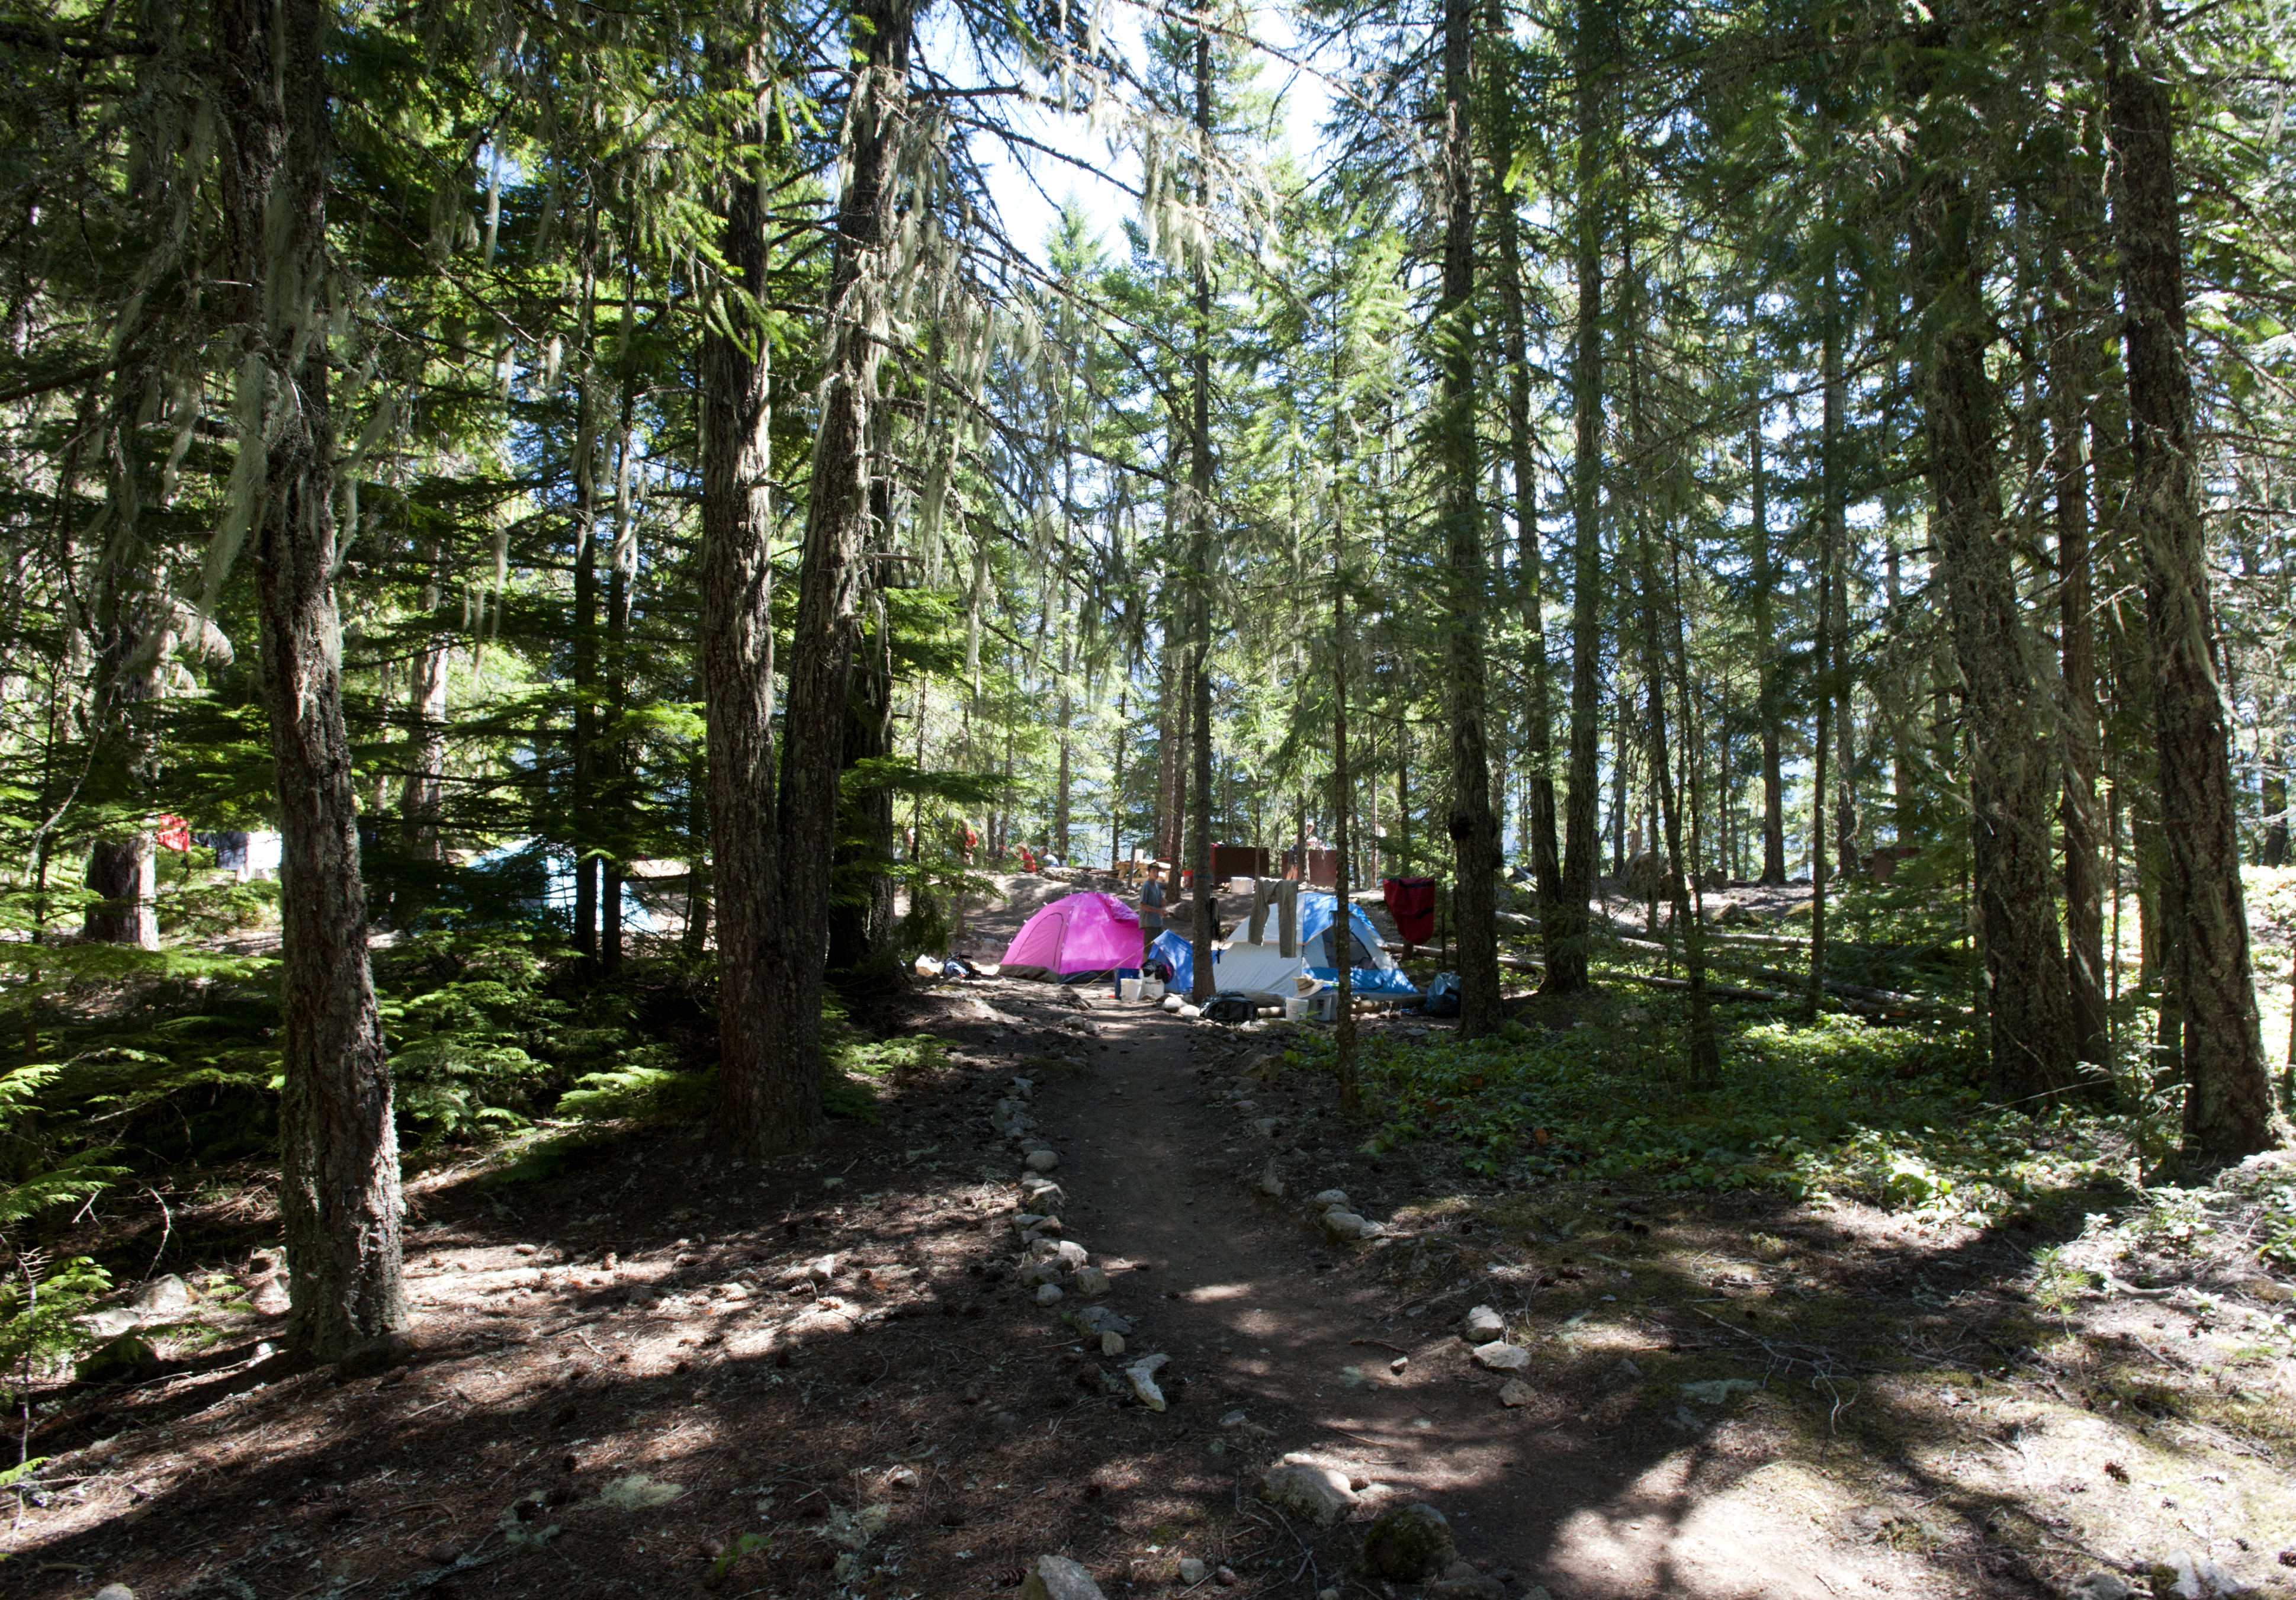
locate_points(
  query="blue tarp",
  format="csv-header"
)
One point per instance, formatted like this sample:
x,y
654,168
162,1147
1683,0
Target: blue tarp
x,y
1316,912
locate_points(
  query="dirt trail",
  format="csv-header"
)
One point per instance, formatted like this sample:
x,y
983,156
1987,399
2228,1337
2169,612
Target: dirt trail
x,y
1295,1338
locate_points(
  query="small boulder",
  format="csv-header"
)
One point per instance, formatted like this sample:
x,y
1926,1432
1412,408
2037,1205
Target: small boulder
x,y
1049,1294
115,1591
1265,1127
1409,1544
163,1295
268,1296
821,1269
110,1324
1515,1393
1044,1160
1057,1578
1318,1493
376,1356
1483,1325
1093,1321
1332,1199
1499,1356
1270,1184
1462,1583
1141,1375
1111,1343
1091,1280
1193,1570
1343,1226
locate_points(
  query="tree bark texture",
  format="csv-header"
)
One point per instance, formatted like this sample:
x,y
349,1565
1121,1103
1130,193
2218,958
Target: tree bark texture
x,y
737,682
1473,830
1567,930
2069,376
2012,771
1538,751
1202,931
779,1104
2228,1108
339,1201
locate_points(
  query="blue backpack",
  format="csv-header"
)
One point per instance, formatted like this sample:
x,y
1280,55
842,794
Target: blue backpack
x,y
1442,996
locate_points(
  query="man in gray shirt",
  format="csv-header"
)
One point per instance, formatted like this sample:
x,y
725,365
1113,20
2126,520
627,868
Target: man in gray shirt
x,y
1152,907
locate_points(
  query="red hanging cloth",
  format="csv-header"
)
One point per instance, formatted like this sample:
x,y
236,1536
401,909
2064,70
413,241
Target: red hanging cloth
x,y
1411,902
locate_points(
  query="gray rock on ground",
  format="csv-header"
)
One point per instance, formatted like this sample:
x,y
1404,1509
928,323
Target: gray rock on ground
x,y
1111,1343
1141,1374
1193,1570
1499,1356
1091,1280
1044,1160
1057,1578
115,1591
1330,1199
1049,1294
1318,1493
110,1324
1093,1321
1515,1393
1270,1184
1461,1581
1483,1325
166,1293
1343,1226
268,1296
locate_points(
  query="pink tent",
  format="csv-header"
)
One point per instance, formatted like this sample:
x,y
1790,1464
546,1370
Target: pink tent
x,y
1088,932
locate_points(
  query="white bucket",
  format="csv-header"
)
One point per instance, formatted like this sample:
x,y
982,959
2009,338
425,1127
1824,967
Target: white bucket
x,y
1128,988
1239,886
1295,1006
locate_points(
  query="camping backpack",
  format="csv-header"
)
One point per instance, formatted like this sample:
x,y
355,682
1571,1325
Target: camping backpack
x,y
1443,995
1228,1005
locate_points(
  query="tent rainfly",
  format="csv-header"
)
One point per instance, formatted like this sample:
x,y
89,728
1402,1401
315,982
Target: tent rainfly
x,y
1078,935
1263,968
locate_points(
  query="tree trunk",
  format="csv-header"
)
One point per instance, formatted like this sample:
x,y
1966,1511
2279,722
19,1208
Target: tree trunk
x,y
585,808
338,1194
1538,754
123,866
2070,377
1766,711
779,1104
1473,831
2012,783
2228,1108
1567,930
737,667
616,758
1201,931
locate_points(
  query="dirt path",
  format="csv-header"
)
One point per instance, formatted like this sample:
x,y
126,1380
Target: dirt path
x,y
1291,1335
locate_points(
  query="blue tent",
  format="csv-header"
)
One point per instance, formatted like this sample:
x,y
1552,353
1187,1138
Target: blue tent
x,y
1371,970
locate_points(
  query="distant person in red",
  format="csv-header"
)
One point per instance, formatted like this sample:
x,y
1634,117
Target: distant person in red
x,y
1028,861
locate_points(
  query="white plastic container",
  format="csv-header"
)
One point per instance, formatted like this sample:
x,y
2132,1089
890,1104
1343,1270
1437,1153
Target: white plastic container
x,y
1128,988
1239,886
1151,988
1295,1006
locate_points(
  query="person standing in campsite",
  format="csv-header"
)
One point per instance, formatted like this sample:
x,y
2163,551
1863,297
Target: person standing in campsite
x,y
1151,908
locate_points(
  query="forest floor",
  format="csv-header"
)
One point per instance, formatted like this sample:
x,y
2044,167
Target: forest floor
x,y
638,1368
